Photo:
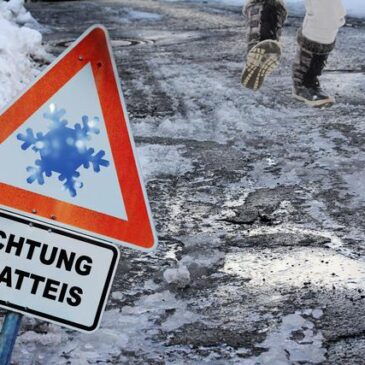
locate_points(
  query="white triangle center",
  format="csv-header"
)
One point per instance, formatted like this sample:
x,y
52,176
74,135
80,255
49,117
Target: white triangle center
x,y
95,190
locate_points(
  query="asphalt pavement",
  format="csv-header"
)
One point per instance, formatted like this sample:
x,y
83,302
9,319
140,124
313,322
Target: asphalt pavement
x,y
258,199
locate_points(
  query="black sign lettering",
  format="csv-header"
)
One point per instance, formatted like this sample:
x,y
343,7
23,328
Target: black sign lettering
x,y
51,287
21,275
82,267
75,296
66,260
51,257
2,235
36,280
18,245
5,276
32,245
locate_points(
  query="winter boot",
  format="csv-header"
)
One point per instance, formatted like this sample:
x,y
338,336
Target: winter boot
x,y
308,66
265,21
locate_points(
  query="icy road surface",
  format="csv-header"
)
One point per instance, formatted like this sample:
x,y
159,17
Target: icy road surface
x,y
259,200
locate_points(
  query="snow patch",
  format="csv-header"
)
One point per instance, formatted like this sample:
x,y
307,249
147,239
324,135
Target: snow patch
x,y
117,295
222,116
159,160
204,259
179,276
143,15
130,329
296,268
295,341
19,46
179,319
129,15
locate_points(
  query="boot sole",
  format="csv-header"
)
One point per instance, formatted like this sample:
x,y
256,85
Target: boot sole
x,y
315,103
262,60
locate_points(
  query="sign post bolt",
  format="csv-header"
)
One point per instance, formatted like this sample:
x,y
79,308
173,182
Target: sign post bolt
x,y
8,336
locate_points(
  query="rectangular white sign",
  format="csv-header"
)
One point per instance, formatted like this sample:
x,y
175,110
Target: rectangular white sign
x,y
52,274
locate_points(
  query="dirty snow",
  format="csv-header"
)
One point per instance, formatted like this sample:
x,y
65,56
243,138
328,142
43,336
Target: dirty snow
x,y
129,15
202,90
297,268
156,160
142,15
129,329
20,46
179,276
283,349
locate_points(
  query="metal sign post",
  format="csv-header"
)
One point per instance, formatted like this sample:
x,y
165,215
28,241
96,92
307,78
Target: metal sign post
x,y
8,336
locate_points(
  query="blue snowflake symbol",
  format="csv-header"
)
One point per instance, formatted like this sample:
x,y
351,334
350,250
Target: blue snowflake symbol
x,y
63,150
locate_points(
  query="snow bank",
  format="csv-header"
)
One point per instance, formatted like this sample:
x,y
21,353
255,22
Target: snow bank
x,y
354,8
20,47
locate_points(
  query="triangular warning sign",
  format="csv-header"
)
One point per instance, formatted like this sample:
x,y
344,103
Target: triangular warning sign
x,y
67,153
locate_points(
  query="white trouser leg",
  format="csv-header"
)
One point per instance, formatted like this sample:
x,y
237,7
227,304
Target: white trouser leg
x,y
323,19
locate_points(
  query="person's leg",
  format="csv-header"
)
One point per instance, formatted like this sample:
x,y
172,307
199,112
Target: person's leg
x,y
316,40
265,21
